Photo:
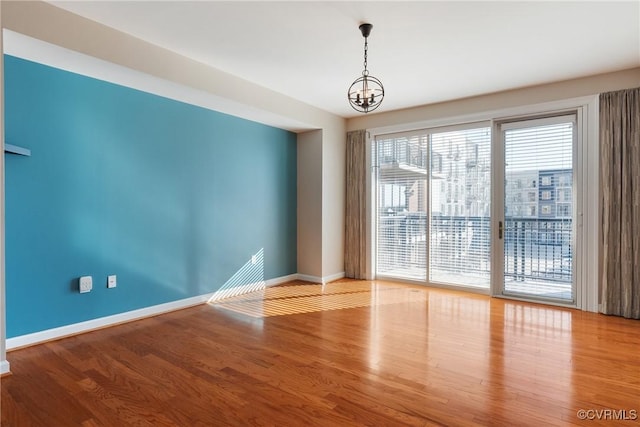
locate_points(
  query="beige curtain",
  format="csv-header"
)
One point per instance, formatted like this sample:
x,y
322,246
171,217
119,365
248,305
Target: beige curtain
x,y
620,196
355,212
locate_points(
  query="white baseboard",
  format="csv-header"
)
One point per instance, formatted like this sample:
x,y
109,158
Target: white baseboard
x,y
4,367
251,287
332,277
308,278
321,280
103,322
281,280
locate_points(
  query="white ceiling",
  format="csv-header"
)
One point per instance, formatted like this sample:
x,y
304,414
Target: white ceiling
x,y
424,52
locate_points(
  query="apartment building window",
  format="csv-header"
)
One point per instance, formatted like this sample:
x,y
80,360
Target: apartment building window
x,y
564,195
563,210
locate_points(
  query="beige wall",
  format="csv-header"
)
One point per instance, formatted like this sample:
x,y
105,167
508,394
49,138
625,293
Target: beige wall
x,y
498,101
321,193
321,199
310,203
333,201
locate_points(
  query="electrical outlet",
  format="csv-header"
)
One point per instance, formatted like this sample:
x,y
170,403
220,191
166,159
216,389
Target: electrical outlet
x,y
86,284
111,281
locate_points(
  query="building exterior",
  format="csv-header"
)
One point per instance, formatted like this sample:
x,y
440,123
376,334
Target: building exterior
x,y
539,194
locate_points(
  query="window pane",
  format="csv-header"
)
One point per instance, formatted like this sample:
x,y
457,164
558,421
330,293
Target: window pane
x,y
402,163
538,246
460,210
433,197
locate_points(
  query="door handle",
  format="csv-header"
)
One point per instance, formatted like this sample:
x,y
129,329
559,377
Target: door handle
x,y
499,229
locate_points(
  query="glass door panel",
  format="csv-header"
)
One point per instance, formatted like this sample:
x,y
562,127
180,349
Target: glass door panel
x,y
460,207
401,161
433,205
538,228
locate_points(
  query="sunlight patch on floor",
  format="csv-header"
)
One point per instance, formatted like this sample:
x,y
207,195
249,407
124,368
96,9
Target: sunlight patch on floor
x,y
309,298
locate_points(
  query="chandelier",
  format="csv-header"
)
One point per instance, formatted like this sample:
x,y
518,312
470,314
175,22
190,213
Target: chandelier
x,y
366,92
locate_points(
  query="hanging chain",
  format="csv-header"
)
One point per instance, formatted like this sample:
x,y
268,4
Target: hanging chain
x,y
366,48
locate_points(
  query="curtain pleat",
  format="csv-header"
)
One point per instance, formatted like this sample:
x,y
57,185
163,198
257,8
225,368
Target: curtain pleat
x,y
355,212
620,198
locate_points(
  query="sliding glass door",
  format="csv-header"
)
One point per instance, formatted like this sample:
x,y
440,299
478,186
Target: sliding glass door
x,y
433,206
485,205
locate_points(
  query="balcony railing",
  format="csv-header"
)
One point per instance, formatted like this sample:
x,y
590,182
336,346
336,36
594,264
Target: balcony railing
x,y
403,152
538,248
534,248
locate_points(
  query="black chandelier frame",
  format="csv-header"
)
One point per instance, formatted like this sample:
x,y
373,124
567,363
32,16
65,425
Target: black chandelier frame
x,y
366,92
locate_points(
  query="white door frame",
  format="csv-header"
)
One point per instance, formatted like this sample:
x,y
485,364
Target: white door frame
x,y
498,191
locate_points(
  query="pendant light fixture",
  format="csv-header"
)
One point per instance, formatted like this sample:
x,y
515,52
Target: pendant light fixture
x,y
366,93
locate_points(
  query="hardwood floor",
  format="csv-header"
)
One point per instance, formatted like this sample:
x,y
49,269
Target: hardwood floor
x,y
397,355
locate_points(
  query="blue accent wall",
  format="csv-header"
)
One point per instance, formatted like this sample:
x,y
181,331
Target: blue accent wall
x,y
172,198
